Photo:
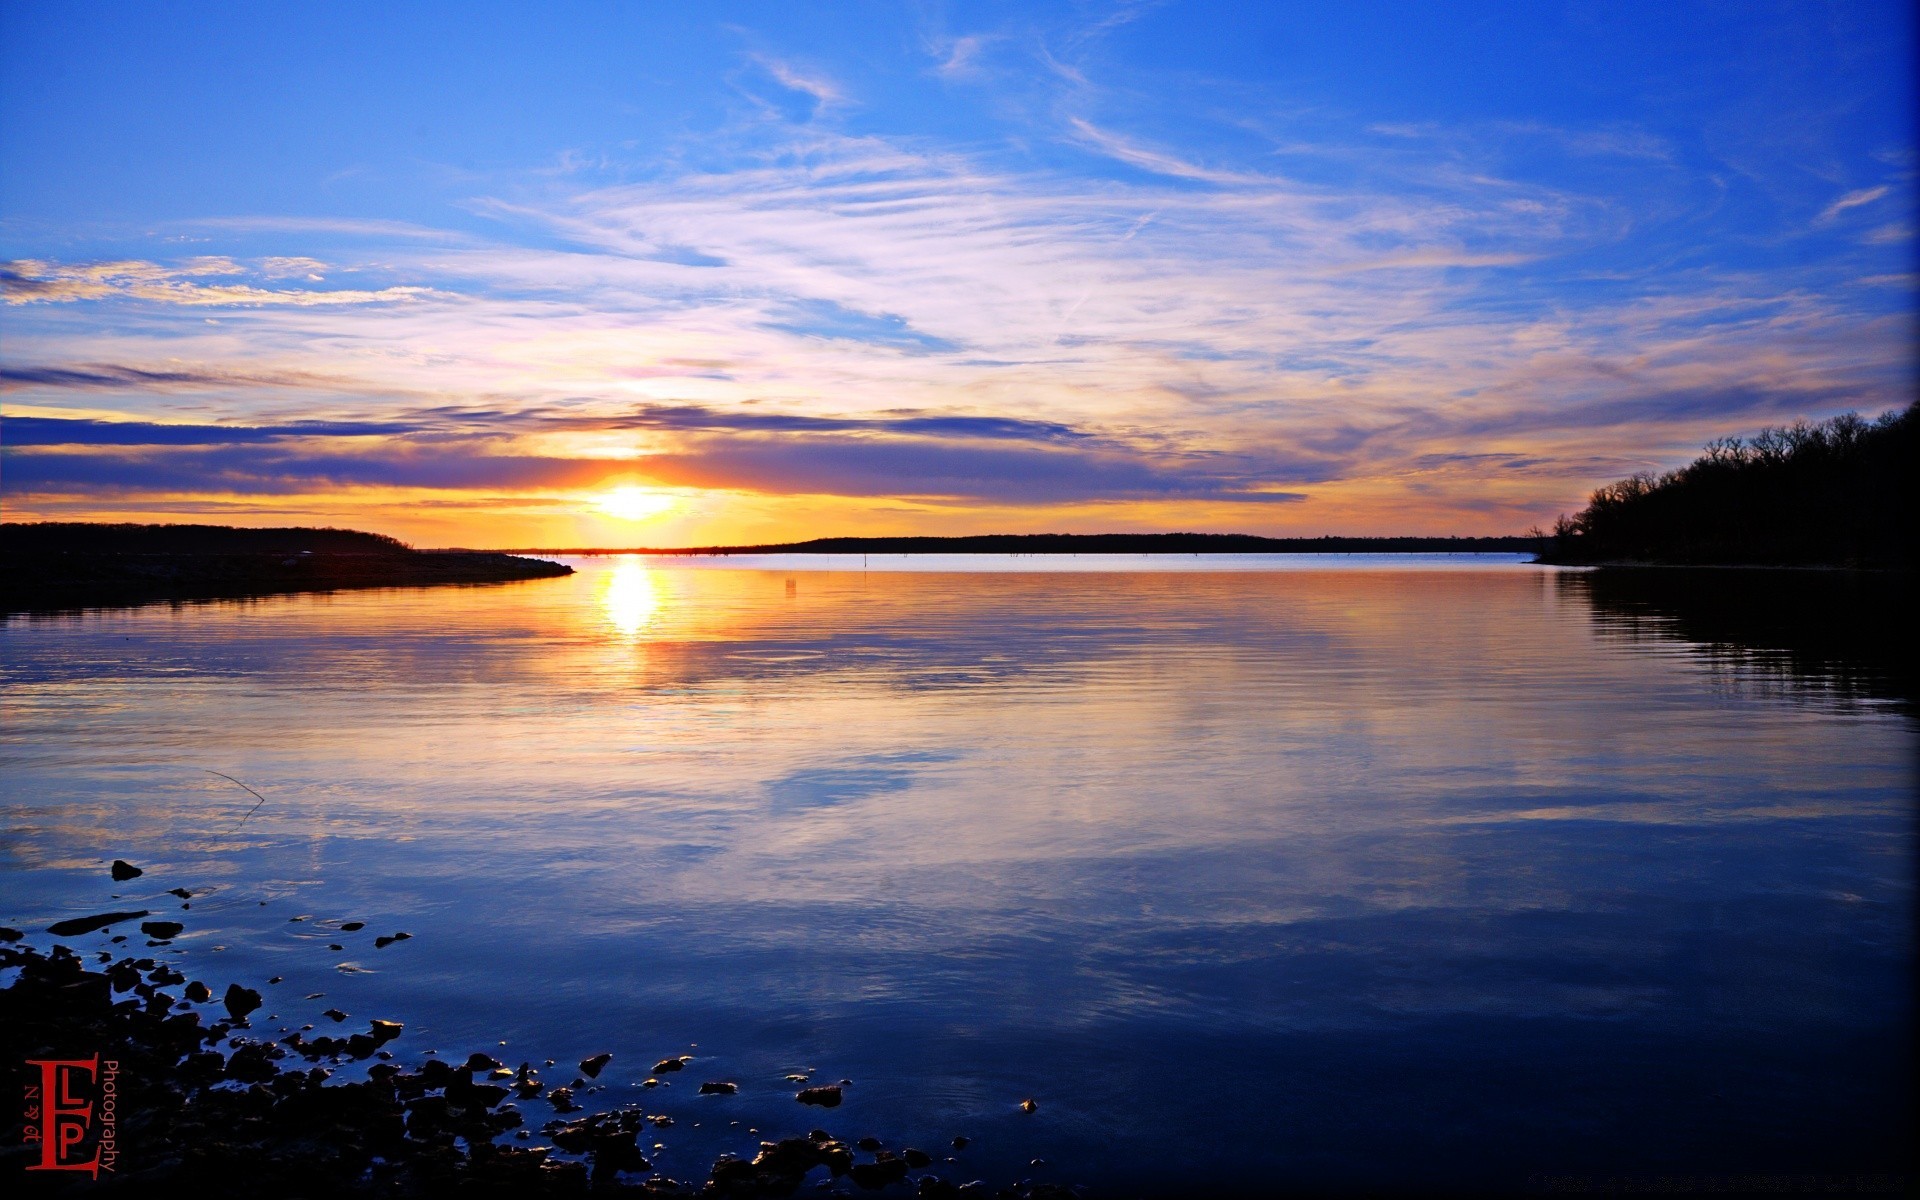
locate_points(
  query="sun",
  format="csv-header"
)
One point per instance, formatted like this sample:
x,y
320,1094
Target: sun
x,y
633,503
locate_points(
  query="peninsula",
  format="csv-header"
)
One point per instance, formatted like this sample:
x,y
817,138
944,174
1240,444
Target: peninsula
x,y
52,566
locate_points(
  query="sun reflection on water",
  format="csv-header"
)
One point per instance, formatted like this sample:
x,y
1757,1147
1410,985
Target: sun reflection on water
x,y
629,598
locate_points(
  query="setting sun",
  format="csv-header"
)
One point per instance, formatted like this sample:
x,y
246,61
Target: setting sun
x,y
633,503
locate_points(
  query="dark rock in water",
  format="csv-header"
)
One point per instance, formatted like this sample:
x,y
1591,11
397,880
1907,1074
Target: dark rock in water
x,y
481,1062
199,992
276,979
183,893
715,1088
879,1173
9,934
335,1013
869,1143
353,927
961,1143
161,929
825,1097
336,946
383,1032
916,1158
562,1100
1027,1106
670,1064
80,925
932,1187
240,1001
124,870
591,1067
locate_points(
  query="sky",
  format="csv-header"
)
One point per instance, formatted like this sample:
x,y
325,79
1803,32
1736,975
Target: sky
x,y
611,274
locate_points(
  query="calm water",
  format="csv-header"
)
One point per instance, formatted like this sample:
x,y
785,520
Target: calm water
x,y
1420,872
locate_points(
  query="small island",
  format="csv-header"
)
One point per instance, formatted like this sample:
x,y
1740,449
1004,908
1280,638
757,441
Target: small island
x,y
53,566
1841,493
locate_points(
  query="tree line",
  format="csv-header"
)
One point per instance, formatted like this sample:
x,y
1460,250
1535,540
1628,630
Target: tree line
x,y
1840,492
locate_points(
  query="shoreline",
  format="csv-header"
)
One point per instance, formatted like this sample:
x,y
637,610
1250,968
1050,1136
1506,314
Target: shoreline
x,y
207,1098
54,582
1629,564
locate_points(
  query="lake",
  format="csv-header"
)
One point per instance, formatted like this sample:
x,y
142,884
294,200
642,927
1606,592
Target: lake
x,y
1391,871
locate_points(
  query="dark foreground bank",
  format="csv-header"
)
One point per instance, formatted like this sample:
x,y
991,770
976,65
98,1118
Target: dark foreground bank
x,y
170,1085
55,566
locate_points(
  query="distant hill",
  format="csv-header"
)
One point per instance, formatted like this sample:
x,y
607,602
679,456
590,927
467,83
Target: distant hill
x,y
66,565
1839,493
1112,543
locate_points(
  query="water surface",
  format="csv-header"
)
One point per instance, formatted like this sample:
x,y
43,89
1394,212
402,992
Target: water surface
x,y
1401,871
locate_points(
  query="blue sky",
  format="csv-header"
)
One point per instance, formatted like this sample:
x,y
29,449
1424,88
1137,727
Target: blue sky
x,y
461,272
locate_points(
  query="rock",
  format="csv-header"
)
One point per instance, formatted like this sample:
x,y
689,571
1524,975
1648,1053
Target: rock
x,y
916,1158
383,1032
335,1013
9,934
199,992
353,927
716,1088
932,1187
591,1067
672,1064
870,1143
183,893
879,1173
385,940
240,1001
124,870
825,1097
80,925
562,1100
961,1143
481,1062
1027,1106
161,929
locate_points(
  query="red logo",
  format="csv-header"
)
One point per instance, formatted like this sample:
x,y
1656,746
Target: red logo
x,y
72,1096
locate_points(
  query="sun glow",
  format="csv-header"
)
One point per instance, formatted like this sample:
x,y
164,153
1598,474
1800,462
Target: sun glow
x,y
633,503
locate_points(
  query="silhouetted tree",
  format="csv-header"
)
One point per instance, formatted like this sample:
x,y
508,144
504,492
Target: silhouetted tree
x,y
1839,493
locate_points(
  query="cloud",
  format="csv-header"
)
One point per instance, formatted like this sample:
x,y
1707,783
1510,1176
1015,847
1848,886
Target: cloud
x,y
959,56
56,431
1852,199
865,317
31,281
1158,162
823,90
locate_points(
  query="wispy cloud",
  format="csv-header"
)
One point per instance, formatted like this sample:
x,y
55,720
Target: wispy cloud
x,y
817,84
1853,199
862,317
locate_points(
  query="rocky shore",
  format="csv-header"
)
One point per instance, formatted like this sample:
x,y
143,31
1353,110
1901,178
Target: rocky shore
x,y
210,1103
